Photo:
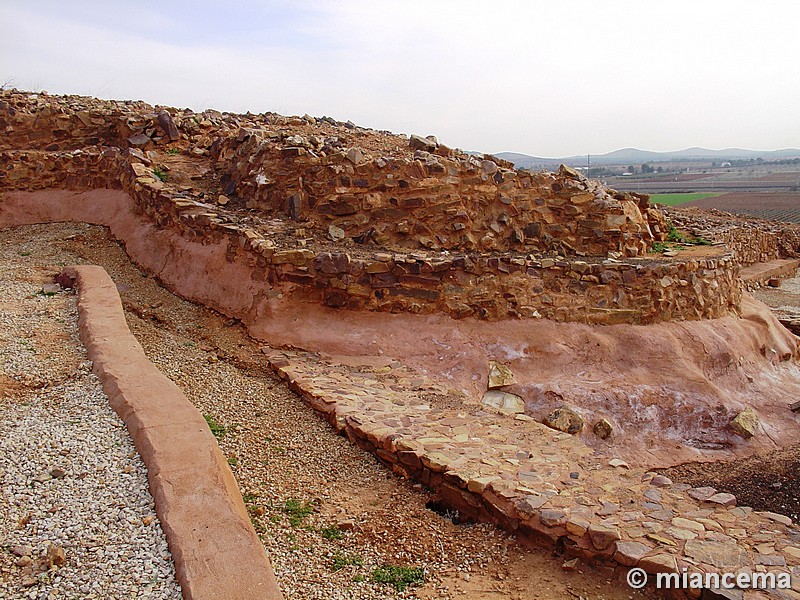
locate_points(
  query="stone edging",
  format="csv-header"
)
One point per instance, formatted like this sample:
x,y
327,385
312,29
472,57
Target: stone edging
x,y
216,551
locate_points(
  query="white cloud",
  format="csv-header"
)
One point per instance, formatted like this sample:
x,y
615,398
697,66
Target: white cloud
x,y
539,77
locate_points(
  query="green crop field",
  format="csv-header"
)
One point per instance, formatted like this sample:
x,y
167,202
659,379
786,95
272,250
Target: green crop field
x,y
673,199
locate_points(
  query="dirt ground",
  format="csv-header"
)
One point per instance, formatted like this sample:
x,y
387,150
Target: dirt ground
x,y
359,516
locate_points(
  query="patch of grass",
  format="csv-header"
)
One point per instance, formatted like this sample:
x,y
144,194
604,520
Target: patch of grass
x,y
217,429
297,510
674,235
339,561
160,174
173,151
658,248
675,199
399,577
675,241
233,461
331,533
249,498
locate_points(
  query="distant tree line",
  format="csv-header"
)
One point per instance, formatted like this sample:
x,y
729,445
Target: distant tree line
x,y
748,162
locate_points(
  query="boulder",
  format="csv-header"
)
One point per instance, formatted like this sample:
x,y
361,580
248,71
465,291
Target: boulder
x,y
357,156
564,419
168,125
603,429
506,403
745,424
335,233
417,142
500,375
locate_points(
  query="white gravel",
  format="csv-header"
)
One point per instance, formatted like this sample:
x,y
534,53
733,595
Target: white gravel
x,y
54,416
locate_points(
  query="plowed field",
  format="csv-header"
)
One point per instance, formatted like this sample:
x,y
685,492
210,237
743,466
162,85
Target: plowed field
x,y
777,206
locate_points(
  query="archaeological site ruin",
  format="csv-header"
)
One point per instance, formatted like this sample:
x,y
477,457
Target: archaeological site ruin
x,y
529,347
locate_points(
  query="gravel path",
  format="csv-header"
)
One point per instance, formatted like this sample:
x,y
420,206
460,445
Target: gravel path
x,y
76,518
329,514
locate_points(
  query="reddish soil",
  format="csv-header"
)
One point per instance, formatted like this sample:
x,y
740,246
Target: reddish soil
x,y
776,206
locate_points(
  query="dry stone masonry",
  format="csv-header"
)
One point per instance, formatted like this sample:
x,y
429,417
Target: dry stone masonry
x,y
359,219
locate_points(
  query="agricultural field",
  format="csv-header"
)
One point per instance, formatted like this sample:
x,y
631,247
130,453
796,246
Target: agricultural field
x,y
772,178
676,198
766,191
775,206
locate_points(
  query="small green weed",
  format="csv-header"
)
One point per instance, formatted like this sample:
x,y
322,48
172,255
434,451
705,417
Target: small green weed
x,y
331,533
24,253
297,510
675,236
173,151
399,577
233,461
160,174
217,429
339,561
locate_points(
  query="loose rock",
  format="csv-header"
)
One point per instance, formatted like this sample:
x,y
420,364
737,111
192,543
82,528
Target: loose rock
x,y
564,419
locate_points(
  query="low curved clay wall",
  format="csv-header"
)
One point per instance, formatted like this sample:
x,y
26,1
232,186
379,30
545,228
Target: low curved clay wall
x,y
484,286
197,500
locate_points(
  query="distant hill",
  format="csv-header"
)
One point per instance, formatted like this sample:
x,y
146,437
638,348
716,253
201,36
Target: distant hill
x,y
636,157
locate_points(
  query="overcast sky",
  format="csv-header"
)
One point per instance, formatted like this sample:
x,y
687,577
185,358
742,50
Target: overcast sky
x,y
548,78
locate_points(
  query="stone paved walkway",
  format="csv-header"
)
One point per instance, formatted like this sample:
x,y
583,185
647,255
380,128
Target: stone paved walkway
x,y
546,485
